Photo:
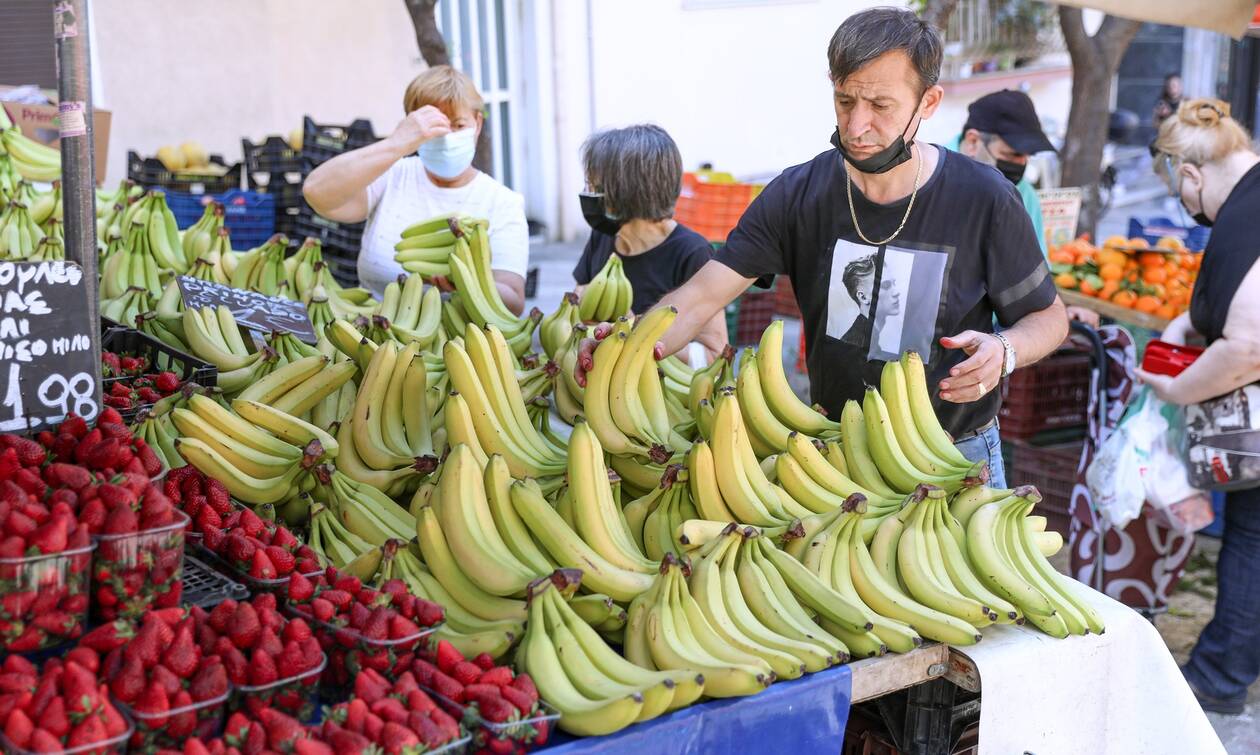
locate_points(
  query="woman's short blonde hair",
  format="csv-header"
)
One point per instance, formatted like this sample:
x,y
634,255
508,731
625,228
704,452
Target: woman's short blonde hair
x,y
1202,132
444,88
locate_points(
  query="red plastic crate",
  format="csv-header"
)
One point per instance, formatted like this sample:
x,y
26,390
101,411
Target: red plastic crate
x,y
1052,470
748,316
1050,395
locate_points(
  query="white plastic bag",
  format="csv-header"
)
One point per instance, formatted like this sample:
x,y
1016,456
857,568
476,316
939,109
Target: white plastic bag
x,y
1137,464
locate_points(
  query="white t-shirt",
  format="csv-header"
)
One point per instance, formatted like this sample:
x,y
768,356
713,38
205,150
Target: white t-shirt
x,y
404,195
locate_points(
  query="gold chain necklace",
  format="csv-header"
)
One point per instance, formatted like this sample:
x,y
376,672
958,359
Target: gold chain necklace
x,y
848,184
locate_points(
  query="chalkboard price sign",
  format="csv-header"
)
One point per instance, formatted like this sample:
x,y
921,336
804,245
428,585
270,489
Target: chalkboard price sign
x,y
250,308
47,369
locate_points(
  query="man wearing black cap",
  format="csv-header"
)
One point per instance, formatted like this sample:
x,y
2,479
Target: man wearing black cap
x,y
1003,131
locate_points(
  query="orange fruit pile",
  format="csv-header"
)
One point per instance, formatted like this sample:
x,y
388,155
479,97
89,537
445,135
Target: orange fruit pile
x,y
1123,272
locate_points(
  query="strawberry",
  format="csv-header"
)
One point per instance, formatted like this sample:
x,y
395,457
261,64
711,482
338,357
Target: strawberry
x,y
339,598
110,417
29,480
424,671
62,475
167,678
166,382
29,453
447,687
115,430
477,693
293,661
239,549
262,669
499,677
42,741
93,515
261,566
373,726
181,724
121,520
210,682
129,683
431,735
236,664
418,702
115,724
466,673
282,731
395,738
301,589
244,629
484,661
100,455
148,459
149,642
445,722
355,714
221,615
312,747
284,538
496,710
268,642
49,538
370,686
183,656
524,683
321,609
345,741
89,731
281,560
297,630
251,523
9,464
266,604
19,728
218,497
400,627
74,425
518,699
447,656
155,705
377,625
56,623
405,683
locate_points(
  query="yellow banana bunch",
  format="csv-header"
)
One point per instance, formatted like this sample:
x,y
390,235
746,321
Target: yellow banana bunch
x,y
596,690
35,161
479,294
410,311
608,295
48,206
481,370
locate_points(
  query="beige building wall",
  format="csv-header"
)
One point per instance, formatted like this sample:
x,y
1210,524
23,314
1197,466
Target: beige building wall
x,y
218,70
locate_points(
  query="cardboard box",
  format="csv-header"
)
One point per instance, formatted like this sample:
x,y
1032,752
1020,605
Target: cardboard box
x,y
39,122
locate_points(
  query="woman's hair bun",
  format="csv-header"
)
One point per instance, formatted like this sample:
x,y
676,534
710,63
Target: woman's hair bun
x,y
1205,112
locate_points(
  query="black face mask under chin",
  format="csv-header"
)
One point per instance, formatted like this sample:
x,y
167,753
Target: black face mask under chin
x,y
593,211
1199,217
882,161
1012,170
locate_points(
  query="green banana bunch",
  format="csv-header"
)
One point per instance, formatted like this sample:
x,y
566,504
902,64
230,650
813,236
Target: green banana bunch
x,y
9,178
50,248
48,206
160,435
319,310
262,269
198,237
35,161
554,330
164,242
134,265
608,295
426,247
19,232
152,325
125,308
300,272
289,347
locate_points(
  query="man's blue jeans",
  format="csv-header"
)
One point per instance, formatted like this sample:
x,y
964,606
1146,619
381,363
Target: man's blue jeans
x,y
987,446
1226,660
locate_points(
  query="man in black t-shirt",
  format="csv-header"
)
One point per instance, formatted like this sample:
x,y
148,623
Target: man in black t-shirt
x,y
951,243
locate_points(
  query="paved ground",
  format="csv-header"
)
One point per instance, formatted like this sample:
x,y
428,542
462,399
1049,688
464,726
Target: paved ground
x,y
1192,604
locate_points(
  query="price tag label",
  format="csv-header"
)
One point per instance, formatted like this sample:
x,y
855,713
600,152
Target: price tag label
x,y
46,366
250,308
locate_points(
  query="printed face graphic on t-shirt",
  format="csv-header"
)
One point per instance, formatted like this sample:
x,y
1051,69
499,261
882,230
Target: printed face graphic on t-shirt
x,y
886,301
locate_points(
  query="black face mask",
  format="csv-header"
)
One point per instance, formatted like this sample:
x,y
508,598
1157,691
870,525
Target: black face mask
x,y
1199,217
593,211
883,161
1013,171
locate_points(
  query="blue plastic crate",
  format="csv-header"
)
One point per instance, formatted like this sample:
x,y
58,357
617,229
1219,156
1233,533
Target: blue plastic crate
x,y
1153,229
250,216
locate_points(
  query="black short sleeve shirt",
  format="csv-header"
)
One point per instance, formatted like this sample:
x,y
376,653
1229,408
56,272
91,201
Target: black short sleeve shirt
x,y
653,273
967,252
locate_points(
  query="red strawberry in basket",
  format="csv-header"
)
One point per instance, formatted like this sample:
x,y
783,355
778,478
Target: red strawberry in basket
x,y
519,700
244,629
166,382
499,677
183,656
181,724
155,704
29,453
261,567
62,475
301,589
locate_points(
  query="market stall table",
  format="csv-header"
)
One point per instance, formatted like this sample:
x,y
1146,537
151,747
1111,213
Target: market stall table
x,y
805,715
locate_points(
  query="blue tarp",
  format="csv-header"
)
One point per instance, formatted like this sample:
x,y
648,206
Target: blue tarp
x,y
806,715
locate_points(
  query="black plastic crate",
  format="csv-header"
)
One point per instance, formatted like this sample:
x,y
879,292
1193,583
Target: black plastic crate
x,y
273,157
344,268
321,141
206,587
129,342
346,238
149,172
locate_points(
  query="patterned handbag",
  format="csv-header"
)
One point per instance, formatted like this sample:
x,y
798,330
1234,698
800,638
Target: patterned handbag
x,y
1223,441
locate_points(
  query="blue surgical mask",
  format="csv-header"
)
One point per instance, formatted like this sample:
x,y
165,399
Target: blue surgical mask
x,y
450,155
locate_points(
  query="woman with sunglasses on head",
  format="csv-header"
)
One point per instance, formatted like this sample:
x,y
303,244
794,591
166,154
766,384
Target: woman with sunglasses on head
x,y
421,170
1211,166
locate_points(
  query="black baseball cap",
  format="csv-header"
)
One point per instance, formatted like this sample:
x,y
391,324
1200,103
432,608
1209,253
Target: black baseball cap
x,y
1009,114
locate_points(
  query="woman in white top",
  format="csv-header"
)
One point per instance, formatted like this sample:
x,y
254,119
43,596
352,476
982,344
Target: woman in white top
x,y
424,168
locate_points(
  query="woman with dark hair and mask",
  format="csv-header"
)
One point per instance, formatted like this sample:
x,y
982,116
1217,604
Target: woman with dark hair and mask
x,y
633,178
421,170
1210,166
